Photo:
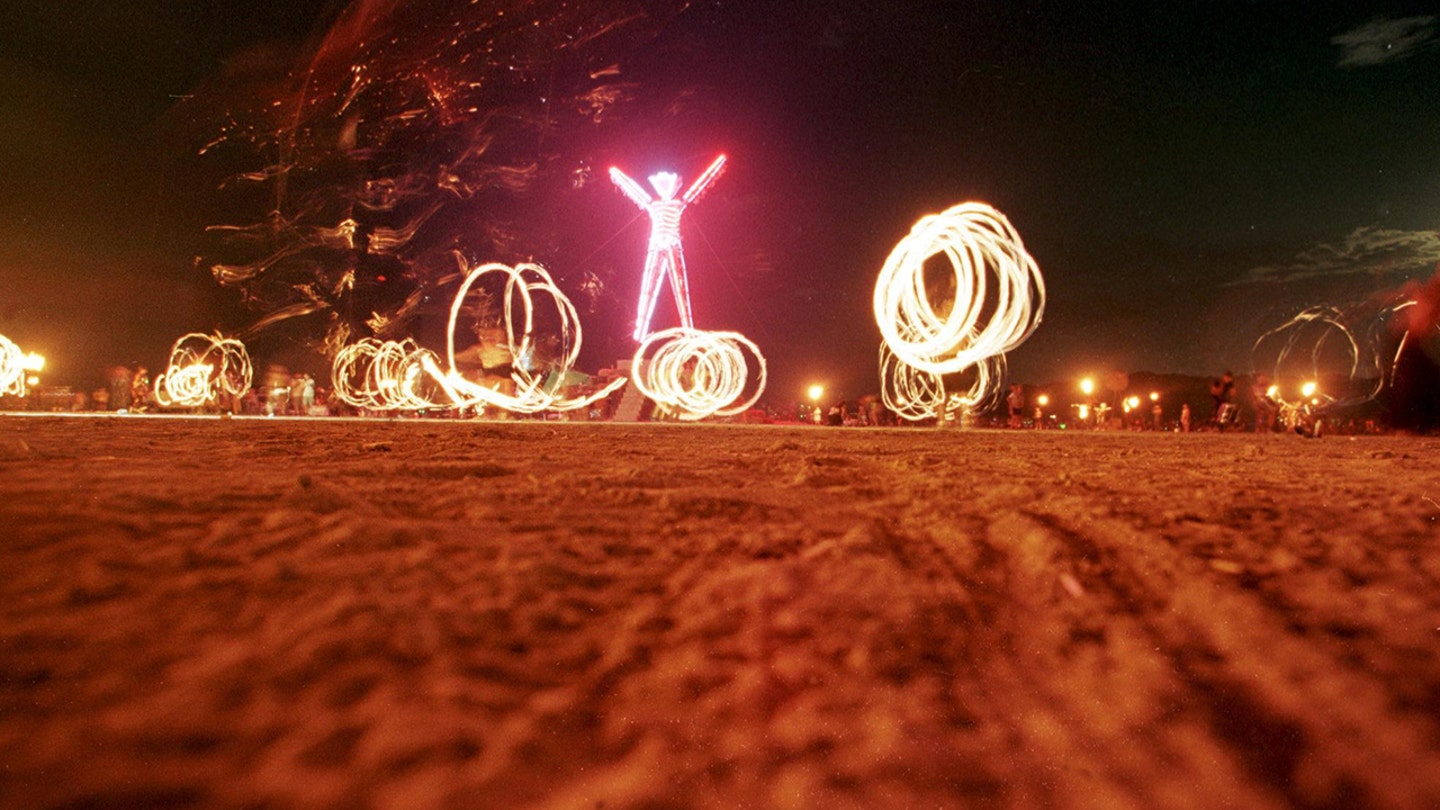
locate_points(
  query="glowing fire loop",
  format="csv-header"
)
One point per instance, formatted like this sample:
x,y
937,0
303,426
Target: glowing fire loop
x,y
202,367
1342,348
913,394
665,257
523,285
999,299
696,374
980,244
382,375
12,368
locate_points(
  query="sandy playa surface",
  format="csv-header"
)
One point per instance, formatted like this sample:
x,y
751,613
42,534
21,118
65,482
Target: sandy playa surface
x,y
505,615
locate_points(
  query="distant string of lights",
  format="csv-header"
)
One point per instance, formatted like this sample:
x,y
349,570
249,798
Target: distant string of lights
x,y
694,374
201,368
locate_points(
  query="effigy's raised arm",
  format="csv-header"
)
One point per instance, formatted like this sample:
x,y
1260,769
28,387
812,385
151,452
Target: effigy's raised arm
x,y
632,189
704,180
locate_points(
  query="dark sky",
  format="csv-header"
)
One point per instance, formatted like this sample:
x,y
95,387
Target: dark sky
x,y
1187,177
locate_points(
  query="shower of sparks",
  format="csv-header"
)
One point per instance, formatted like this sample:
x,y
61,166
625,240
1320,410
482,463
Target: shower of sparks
x,y
202,367
694,374
536,385
665,255
383,375
997,303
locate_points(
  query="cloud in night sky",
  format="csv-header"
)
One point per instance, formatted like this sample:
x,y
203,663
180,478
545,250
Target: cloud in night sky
x,y
1371,250
1385,40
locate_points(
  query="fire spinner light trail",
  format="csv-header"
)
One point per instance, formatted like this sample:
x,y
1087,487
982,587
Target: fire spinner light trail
x,y
201,368
920,345
979,242
12,368
522,283
913,394
1325,342
665,257
695,374
382,375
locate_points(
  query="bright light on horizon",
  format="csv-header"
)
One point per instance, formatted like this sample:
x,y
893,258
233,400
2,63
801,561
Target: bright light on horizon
x,y
816,391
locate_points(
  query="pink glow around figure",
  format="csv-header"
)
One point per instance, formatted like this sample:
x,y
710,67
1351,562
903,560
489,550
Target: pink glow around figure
x,y
665,256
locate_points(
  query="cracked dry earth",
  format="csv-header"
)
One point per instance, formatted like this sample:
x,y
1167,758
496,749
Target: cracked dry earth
x,y
513,615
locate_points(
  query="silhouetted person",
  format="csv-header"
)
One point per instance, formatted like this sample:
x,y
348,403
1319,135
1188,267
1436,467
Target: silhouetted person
x,y
1415,389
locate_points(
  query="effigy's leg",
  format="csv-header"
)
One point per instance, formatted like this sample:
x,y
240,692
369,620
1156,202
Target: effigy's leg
x,y
649,292
680,285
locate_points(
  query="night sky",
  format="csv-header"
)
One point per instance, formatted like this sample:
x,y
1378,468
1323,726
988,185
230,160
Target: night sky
x,y
1187,177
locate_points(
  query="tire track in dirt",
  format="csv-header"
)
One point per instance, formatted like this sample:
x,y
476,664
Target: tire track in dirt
x,y
1302,723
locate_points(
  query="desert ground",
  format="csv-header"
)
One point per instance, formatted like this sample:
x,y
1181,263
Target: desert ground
x,y
408,613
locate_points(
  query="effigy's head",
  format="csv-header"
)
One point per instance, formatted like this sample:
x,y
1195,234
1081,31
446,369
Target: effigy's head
x,y
665,184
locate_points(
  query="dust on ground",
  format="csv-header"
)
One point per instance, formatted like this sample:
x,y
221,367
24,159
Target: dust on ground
x,y
243,613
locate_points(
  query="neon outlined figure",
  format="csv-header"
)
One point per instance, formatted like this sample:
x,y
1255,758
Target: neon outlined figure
x,y
664,256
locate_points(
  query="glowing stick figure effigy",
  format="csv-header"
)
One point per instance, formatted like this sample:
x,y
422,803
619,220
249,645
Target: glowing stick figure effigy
x,y
695,374
664,257
201,368
523,283
999,298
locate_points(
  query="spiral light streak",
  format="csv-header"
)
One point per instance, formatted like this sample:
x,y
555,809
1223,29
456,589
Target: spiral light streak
x,y
201,368
914,394
12,368
523,285
984,251
696,374
382,375
1327,342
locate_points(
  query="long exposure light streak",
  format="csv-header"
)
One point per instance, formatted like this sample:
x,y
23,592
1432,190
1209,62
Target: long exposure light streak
x,y
665,256
12,368
914,394
1345,349
998,302
202,367
980,244
382,375
523,285
695,374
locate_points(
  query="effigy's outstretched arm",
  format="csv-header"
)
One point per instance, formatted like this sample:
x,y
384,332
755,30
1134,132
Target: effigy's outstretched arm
x,y
703,181
631,189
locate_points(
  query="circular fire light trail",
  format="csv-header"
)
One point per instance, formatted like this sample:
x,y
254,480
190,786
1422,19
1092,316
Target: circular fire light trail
x,y
201,368
984,251
1346,349
382,375
913,394
696,374
12,368
524,285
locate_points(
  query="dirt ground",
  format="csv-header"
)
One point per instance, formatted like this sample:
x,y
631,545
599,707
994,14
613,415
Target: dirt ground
x,y
251,613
